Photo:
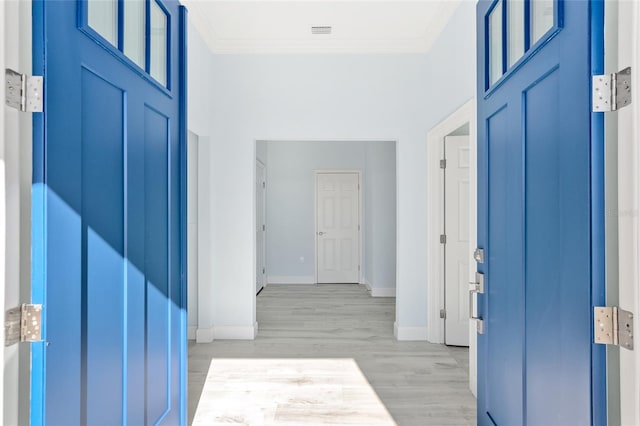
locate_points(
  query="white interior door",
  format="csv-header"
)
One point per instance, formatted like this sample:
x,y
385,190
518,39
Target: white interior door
x,y
261,226
338,227
456,226
192,231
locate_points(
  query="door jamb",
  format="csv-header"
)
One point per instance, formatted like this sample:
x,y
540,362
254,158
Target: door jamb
x,y
360,218
264,216
627,208
435,216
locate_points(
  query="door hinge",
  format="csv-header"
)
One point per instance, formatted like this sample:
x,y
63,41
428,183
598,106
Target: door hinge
x,y
443,314
613,326
264,271
23,92
443,239
264,184
611,91
264,227
443,164
23,324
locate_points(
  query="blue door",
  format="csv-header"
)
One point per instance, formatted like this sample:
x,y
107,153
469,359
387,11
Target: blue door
x,y
540,162
108,215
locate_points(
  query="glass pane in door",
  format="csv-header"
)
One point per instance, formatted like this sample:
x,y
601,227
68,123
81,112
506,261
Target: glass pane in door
x,y
103,18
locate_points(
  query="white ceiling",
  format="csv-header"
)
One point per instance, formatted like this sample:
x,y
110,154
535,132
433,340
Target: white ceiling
x,y
285,26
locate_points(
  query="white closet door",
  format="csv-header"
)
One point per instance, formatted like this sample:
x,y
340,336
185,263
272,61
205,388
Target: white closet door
x,y
338,213
457,245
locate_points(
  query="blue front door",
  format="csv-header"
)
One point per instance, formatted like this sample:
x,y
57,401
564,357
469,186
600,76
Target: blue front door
x,y
540,213
108,215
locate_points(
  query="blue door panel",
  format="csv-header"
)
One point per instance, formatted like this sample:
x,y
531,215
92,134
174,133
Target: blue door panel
x,y
504,367
156,240
102,124
110,273
558,273
536,178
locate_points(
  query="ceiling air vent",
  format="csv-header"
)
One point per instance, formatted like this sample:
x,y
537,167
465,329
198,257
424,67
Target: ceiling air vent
x,y
321,30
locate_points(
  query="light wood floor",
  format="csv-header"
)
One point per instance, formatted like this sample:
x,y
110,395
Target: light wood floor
x,y
324,343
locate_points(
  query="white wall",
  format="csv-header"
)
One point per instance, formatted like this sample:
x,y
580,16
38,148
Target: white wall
x,y
290,206
380,218
327,97
199,123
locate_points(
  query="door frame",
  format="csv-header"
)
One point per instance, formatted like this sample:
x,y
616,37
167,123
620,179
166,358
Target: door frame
x,y
435,216
38,210
360,219
628,173
264,216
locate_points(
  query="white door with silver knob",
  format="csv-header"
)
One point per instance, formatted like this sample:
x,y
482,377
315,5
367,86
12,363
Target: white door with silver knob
x,y
337,222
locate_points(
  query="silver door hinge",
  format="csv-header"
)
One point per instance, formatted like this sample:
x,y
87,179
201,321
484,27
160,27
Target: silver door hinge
x,y
443,239
443,164
611,91
23,324
264,270
613,326
264,184
264,227
23,92
443,314
478,255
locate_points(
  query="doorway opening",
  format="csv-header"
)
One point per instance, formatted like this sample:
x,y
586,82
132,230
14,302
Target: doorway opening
x,y
330,214
451,230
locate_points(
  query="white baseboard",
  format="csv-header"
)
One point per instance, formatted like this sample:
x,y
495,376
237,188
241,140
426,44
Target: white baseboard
x,y
380,292
235,332
383,292
225,332
409,333
191,332
291,279
204,335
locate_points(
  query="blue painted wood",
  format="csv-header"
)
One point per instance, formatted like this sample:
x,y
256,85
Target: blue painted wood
x,y
109,223
541,223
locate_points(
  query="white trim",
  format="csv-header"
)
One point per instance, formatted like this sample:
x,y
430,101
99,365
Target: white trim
x,y
367,284
360,218
261,165
3,235
383,292
290,279
435,251
235,332
191,332
204,335
409,333
628,208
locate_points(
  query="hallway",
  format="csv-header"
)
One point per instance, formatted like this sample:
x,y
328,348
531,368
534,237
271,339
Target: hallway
x,y
340,327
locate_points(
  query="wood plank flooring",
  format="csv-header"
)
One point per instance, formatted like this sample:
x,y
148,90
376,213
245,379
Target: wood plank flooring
x,y
326,354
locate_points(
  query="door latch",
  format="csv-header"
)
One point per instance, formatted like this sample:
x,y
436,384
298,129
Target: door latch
x,y
23,324
476,287
613,326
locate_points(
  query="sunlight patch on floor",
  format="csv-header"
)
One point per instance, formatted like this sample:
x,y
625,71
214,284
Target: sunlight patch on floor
x,y
289,392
